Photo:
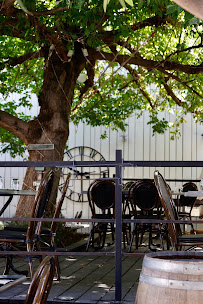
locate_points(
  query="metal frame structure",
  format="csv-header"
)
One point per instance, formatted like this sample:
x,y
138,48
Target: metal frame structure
x,y
118,164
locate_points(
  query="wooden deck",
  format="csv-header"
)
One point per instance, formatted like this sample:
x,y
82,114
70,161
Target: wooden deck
x,y
84,279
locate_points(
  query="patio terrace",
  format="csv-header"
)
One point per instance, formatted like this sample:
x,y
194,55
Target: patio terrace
x,y
84,279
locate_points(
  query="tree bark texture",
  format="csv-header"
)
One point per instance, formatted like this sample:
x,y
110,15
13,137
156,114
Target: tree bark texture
x,y
52,123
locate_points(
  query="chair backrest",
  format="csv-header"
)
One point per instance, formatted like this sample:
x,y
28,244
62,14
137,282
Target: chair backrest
x,y
60,203
143,195
101,194
188,201
168,206
42,281
40,204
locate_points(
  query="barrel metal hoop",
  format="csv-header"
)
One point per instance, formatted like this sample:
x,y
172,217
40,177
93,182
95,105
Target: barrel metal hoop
x,y
168,283
192,267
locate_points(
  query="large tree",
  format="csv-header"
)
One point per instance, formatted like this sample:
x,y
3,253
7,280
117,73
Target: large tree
x,y
97,63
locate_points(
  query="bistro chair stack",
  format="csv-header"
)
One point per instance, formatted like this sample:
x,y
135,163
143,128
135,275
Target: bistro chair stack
x,y
101,196
145,204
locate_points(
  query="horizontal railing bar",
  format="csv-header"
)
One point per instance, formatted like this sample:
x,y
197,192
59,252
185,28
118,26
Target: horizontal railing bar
x,y
163,163
79,220
61,164
167,179
56,253
65,253
60,220
134,254
150,221
58,164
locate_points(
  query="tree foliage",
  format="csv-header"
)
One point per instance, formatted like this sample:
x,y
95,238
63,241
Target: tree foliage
x,y
145,56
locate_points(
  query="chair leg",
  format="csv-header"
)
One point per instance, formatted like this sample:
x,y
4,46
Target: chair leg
x,y
112,231
89,239
104,237
7,266
37,245
131,240
58,270
11,266
124,235
30,263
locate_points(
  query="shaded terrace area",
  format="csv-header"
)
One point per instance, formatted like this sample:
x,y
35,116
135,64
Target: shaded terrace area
x,y
108,276
84,279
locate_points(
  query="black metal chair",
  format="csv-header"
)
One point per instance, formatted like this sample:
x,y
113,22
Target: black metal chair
x,y
177,238
101,196
187,202
145,204
41,283
126,214
21,238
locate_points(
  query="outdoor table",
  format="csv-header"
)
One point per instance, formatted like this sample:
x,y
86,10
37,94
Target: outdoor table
x,y
11,193
188,193
193,193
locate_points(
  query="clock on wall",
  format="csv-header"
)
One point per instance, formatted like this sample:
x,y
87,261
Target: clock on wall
x,y
82,177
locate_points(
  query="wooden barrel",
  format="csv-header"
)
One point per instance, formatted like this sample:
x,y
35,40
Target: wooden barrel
x,y
171,277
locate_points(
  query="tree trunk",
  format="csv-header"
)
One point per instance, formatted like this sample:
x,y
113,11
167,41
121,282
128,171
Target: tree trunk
x,y
52,123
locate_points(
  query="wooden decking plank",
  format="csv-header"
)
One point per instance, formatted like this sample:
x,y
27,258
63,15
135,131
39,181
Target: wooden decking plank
x,y
106,284
84,269
130,281
56,290
68,266
128,265
7,295
75,283
85,280
69,260
131,294
96,284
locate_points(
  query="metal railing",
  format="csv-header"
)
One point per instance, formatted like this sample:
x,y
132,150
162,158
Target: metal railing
x,y
118,164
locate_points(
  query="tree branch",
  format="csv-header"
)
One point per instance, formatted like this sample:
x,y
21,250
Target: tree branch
x,y
90,81
14,125
6,5
19,60
152,21
185,50
170,75
14,32
176,99
135,78
149,64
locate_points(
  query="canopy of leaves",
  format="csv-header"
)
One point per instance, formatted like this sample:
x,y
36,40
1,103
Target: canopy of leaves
x,y
145,56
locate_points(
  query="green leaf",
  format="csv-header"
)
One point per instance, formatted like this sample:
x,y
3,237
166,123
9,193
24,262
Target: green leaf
x,y
172,8
105,3
194,21
122,2
130,2
140,4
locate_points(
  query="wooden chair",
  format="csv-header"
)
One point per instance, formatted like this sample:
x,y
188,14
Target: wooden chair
x,y
42,281
51,233
21,238
145,204
177,238
101,196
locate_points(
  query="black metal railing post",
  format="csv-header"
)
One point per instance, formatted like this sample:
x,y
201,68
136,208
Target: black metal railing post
x,y
118,228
